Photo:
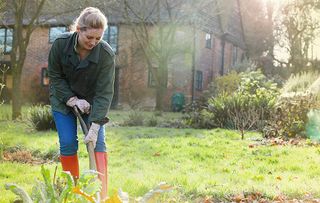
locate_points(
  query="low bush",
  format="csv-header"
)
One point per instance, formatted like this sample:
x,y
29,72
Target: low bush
x,y
40,118
247,108
226,84
173,123
158,113
152,121
290,116
135,118
194,115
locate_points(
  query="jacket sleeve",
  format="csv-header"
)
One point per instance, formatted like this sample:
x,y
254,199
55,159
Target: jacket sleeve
x,y
103,92
58,83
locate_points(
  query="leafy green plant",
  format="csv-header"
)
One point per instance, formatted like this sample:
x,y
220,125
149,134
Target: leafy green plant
x,y
291,116
252,81
158,113
51,190
135,118
40,118
152,121
226,84
85,190
246,108
194,115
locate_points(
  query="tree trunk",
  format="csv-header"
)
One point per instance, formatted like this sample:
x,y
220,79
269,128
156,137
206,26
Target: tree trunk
x,y
159,98
16,88
16,94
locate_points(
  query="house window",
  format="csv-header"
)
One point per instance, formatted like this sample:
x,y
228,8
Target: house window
x,y
234,55
44,77
199,80
111,36
6,40
151,80
208,41
54,32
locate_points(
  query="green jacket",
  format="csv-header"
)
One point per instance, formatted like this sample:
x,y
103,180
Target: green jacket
x,y
91,79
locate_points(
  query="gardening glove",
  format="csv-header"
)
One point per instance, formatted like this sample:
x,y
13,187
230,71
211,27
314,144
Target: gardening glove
x,y
92,135
82,104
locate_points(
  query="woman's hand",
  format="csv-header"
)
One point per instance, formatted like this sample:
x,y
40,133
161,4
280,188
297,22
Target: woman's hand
x,y
92,135
82,104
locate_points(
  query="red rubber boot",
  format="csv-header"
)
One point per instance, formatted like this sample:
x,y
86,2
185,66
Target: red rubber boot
x,y
71,164
102,165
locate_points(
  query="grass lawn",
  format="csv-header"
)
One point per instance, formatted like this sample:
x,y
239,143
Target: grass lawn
x,y
198,163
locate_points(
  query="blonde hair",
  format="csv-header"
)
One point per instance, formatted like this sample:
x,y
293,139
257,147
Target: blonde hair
x,y
90,17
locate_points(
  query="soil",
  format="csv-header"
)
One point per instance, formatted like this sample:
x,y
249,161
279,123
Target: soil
x,y
22,156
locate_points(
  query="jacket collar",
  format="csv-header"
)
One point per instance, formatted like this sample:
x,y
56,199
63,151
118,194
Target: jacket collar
x,y
71,52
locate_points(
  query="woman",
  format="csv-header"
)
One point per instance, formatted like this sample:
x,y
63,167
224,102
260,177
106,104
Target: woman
x,y
81,72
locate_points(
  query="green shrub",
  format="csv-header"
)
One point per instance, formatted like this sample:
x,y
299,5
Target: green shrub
x,y
158,113
252,81
247,108
173,123
152,121
194,115
40,118
135,118
291,116
226,84
240,111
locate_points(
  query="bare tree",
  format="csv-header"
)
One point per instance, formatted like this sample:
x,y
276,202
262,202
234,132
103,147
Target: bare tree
x,y
21,36
245,119
296,29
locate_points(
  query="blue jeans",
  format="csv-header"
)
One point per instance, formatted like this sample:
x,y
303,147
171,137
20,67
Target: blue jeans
x,y
67,131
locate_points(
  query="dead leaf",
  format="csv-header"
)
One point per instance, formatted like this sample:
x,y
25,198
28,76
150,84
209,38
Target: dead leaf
x,y
280,198
238,198
156,154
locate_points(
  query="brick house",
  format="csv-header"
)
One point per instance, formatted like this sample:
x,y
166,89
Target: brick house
x,y
218,43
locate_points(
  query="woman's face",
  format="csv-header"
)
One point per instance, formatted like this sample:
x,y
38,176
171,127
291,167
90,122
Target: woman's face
x,y
89,38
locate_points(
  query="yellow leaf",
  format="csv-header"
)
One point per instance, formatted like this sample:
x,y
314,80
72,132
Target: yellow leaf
x,y
77,190
114,199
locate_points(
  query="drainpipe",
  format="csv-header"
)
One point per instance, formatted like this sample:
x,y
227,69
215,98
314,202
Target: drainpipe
x,y
223,43
193,63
